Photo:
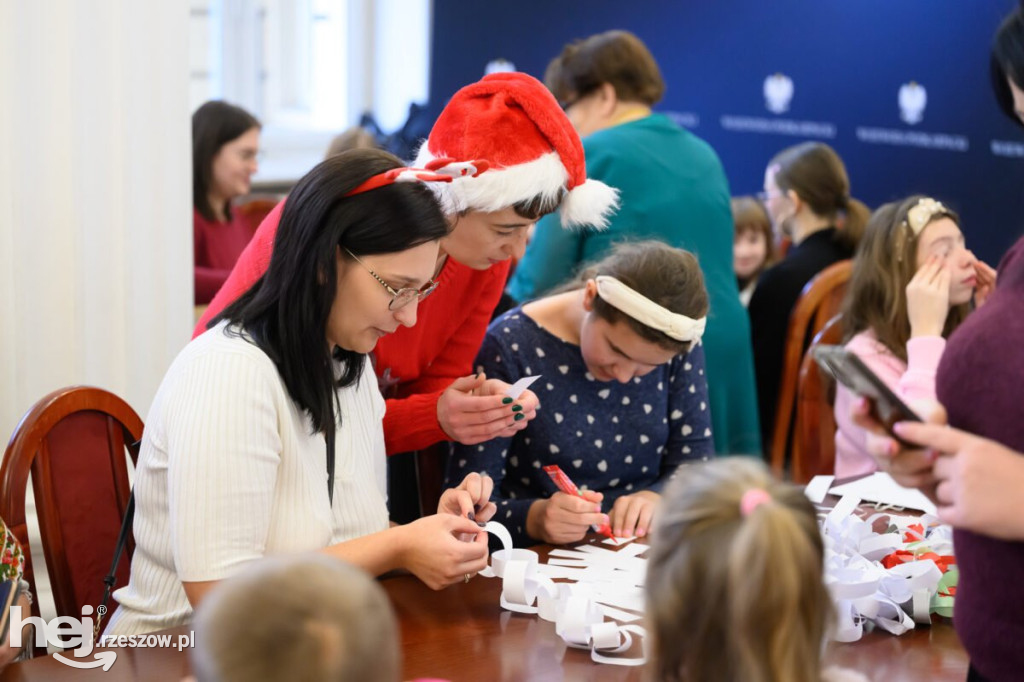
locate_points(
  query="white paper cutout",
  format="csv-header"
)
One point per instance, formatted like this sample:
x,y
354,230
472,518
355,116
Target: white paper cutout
x,y
516,389
818,488
609,582
880,487
863,590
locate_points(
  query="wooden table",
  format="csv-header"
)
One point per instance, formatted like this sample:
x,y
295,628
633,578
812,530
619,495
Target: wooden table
x,y
461,633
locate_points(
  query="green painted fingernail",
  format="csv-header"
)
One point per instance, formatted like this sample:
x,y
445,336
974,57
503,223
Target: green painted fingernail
x,y
517,408
506,400
519,416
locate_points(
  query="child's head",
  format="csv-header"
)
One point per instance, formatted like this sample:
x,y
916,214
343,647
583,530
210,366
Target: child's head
x,y
645,303
304,618
899,239
735,588
536,167
753,244
811,177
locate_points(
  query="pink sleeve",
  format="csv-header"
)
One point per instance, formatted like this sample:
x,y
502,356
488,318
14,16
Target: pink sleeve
x,y
923,355
852,456
250,267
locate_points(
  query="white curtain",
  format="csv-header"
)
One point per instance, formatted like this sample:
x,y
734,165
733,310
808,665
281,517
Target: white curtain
x,y
95,219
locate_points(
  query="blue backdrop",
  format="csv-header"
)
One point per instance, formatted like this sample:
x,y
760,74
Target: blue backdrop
x,y
846,61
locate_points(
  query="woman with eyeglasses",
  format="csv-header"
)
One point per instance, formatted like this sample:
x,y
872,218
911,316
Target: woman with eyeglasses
x,y
225,144
674,189
265,436
536,165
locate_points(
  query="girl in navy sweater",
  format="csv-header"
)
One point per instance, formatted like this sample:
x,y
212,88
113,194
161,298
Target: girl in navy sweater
x,y
623,392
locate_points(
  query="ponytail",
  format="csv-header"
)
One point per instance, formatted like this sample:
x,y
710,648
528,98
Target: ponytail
x,y
778,615
735,588
851,220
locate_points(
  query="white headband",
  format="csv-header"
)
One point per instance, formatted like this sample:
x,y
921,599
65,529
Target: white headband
x,y
922,213
649,313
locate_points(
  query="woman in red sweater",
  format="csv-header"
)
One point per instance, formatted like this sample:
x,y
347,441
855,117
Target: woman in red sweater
x,y
225,142
536,166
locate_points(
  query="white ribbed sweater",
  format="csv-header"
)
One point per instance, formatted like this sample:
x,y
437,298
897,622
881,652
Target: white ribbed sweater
x,y
230,471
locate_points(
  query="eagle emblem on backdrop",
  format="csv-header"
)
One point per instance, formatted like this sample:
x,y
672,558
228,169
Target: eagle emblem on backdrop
x,y
912,100
778,93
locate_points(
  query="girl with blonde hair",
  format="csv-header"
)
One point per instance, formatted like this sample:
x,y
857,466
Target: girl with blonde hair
x,y
735,590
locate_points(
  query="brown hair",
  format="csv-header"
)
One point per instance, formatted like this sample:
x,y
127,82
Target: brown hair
x,y
749,215
355,137
886,261
615,57
214,124
306,618
670,277
816,173
734,598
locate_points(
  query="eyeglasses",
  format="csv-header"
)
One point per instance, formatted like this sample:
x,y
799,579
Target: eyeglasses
x,y
763,197
399,297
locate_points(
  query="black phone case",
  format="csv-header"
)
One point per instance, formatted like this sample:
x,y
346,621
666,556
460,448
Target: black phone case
x,y
851,371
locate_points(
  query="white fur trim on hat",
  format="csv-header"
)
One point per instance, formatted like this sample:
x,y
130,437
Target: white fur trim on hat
x,y
592,203
502,187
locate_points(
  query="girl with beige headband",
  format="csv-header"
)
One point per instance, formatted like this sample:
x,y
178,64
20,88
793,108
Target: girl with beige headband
x,y
624,392
735,586
913,283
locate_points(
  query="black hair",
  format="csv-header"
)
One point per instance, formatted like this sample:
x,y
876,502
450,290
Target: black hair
x,y
1006,61
286,311
214,125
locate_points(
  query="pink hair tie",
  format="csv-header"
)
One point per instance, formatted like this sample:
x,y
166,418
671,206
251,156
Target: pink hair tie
x,y
752,499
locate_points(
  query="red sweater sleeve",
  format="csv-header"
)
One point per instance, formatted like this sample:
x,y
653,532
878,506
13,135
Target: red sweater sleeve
x,y
250,267
410,423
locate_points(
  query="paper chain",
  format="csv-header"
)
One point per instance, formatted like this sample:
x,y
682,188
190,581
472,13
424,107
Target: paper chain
x,y
893,579
577,609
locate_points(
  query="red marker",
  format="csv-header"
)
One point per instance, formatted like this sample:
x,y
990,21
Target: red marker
x,y
565,484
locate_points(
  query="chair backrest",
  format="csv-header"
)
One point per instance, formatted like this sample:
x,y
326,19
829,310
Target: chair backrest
x,y
74,443
814,425
255,210
819,302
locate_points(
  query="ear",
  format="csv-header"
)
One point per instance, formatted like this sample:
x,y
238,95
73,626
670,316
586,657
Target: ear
x,y
798,203
589,294
607,99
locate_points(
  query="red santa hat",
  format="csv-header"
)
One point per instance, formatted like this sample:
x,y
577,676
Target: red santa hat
x,y
511,121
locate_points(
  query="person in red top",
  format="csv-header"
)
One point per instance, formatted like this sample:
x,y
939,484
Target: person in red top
x,y
536,165
225,142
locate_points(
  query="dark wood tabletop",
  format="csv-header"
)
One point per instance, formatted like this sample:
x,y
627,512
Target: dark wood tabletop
x,y
462,633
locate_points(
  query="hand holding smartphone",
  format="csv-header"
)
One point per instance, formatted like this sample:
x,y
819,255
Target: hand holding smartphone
x,y
850,371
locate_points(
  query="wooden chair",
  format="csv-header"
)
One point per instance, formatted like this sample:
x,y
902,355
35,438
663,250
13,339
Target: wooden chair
x,y
819,302
74,443
814,425
255,210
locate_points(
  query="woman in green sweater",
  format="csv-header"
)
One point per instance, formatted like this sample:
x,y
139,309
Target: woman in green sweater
x,y
673,188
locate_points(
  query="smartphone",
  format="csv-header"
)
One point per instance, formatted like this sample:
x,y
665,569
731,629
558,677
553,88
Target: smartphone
x,y
851,372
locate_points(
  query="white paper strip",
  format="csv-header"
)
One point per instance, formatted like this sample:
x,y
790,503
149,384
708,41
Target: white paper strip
x,y
880,487
502,533
818,488
516,389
